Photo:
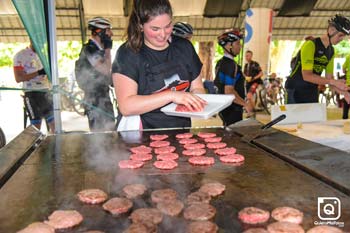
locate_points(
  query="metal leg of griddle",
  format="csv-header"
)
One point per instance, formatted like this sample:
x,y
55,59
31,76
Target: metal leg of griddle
x,y
17,151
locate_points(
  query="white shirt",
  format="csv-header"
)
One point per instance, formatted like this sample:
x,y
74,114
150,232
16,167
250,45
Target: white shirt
x,y
28,61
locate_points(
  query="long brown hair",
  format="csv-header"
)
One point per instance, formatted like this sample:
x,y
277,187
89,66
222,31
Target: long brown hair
x,y
142,11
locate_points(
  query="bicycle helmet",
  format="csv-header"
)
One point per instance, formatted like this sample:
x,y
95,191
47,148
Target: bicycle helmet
x,y
229,36
183,29
341,23
98,23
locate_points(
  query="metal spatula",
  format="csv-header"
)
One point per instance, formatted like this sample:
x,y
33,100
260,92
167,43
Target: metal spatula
x,y
250,137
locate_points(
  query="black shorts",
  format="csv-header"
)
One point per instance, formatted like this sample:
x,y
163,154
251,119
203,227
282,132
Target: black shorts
x,y
39,105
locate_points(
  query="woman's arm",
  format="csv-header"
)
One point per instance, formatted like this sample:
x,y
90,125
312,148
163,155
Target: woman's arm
x,y
130,103
197,86
238,99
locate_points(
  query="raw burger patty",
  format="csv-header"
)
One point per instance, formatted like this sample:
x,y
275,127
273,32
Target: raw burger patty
x,y
168,156
92,196
188,141
201,160
194,152
130,164
163,195
145,227
159,143
324,229
199,212
256,230
141,149
282,227
194,146
226,151
253,215
213,189
117,205
141,157
145,215
183,108
172,207
36,227
165,164
206,135
63,219
202,227
184,135
197,198
134,190
214,139
159,137
287,214
165,149
94,232
234,158
216,145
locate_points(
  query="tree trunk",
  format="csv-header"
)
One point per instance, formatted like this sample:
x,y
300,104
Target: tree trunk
x,y
206,54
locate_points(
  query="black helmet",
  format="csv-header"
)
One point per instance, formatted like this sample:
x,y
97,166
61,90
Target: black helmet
x,y
229,36
182,29
98,23
341,23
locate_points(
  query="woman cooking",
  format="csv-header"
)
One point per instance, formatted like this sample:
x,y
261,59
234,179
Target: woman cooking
x,y
153,68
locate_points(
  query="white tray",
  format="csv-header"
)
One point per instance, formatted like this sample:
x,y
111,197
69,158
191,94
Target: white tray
x,y
216,103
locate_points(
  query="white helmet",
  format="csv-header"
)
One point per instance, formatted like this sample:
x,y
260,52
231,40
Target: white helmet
x,y
98,23
183,29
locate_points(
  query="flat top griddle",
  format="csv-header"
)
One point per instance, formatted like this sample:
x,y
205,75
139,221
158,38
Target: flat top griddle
x,y
65,164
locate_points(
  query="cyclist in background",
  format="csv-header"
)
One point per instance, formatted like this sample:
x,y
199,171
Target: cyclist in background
x,y
346,70
29,70
183,29
253,73
93,75
229,78
315,56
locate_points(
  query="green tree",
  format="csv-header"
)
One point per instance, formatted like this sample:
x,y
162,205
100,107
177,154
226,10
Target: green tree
x,y
342,49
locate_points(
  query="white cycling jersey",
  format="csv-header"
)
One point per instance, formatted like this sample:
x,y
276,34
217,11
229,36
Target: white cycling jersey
x,y
28,61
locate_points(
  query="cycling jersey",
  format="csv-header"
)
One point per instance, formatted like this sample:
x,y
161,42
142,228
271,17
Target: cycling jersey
x,y
313,56
28,61
346,67
229,73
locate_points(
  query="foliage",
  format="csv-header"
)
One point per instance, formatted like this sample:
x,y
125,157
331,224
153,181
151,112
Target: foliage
x,y
342,49
7,52
67,54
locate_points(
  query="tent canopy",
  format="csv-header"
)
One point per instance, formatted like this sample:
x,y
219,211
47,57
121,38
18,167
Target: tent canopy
x,y
292,19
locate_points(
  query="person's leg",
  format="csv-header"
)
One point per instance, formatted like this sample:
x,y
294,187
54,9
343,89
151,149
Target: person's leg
x,y
46,107
51,123
91,115
36,123
33,111
290,96
345,109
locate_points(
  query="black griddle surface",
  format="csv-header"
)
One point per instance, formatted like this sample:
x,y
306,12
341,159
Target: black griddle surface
x,y
63,165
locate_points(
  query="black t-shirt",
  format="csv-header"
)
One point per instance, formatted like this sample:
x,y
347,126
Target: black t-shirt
x,y
173,68
252,69
228,72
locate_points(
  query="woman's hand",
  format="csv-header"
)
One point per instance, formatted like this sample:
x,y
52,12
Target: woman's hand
x,y
191,101
248,106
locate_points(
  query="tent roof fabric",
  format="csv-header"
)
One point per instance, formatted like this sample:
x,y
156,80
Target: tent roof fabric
x,y
208,22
